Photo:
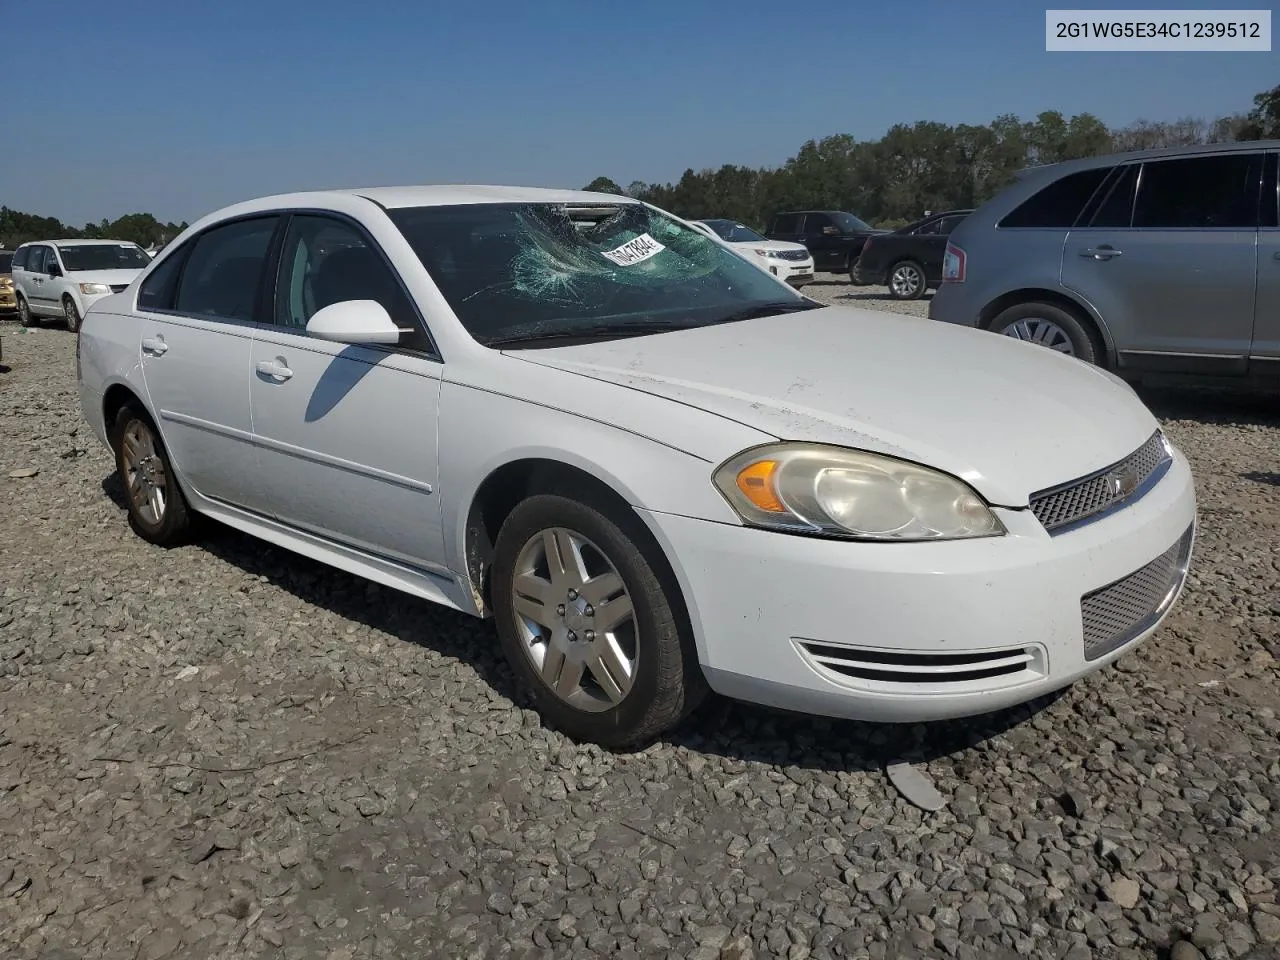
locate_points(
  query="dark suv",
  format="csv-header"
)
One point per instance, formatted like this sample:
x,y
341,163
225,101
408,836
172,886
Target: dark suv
x,y
835,238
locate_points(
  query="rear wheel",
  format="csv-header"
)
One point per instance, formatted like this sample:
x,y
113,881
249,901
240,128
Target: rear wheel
x,y
71,314
588,625
157,509
906,281
25,316
1049,325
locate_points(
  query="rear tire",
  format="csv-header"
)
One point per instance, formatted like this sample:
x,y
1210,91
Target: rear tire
x,y
1050,325
158,511
618,684
907,280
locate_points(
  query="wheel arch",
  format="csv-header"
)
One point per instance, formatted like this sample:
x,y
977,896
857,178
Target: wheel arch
x,y
114,399
1076,305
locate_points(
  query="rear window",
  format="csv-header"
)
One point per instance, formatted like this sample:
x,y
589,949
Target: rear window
x,y
1059,204
1199,193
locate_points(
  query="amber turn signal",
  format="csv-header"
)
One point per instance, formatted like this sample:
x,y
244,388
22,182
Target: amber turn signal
x,y
756,483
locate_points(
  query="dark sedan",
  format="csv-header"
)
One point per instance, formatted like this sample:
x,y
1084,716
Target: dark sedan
x,y
909,260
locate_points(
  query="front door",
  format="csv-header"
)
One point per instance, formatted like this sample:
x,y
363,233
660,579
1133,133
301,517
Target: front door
x,y
346,434
41,297
825,242
1265,357
196,343
1171,269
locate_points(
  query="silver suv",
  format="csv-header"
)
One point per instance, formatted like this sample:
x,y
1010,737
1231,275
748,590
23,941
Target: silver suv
x,y
1161,261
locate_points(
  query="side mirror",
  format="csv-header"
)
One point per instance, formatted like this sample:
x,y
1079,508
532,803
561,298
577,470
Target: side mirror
x,y
354,321
54,270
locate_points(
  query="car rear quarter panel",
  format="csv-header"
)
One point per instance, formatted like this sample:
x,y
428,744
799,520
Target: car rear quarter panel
x,y
109,355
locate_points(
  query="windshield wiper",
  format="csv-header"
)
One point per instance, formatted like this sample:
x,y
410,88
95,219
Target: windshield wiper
x,y
758,310
601,331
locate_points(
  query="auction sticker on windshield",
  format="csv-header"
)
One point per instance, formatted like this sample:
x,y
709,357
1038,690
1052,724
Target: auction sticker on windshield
x,y
634,251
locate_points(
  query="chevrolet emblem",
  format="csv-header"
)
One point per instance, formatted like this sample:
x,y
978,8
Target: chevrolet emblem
x,y
1122,482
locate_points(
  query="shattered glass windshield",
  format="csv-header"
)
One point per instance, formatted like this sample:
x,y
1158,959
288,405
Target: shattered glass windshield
x,y
732,232
514,271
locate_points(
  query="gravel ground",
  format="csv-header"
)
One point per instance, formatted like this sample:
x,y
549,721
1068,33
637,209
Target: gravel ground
x,y
222,750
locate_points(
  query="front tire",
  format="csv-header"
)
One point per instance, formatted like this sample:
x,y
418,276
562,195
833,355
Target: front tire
x,y
906,281
71,313
158,511
588,625
1049,325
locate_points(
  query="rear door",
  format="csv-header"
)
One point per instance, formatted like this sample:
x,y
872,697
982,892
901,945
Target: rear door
x,y
1265,355
1169,260
197,312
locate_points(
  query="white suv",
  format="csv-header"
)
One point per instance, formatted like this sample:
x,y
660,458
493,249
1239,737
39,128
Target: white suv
x,y
61,278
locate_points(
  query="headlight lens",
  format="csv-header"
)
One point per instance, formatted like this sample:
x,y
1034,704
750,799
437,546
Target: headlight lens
x,y
92,288
833,491
770,254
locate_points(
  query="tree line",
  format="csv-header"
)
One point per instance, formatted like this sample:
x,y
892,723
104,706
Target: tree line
x,y
927,166
890,181
141,228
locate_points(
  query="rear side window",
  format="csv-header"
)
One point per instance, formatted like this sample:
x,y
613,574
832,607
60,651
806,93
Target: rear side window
x,y
947,224
1199,192
20,258
1059,204
156,292
223,273
786,223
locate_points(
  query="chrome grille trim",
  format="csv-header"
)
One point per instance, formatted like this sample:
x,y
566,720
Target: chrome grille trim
x,y
793,254
875,667
1088,498
1117,613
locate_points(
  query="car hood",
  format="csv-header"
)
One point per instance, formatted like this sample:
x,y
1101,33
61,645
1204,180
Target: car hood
x,y
105,276
1008,417
768,245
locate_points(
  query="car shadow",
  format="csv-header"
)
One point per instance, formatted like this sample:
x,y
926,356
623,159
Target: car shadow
x,y
1211,404
720,727
879,297
1257,476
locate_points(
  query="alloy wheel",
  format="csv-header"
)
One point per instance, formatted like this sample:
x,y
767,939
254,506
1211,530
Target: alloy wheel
x,y
576,619
906,280
145,478
1041,331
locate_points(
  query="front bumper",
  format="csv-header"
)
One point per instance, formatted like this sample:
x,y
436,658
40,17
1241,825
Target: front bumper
x,y
933,630
8,301
795,272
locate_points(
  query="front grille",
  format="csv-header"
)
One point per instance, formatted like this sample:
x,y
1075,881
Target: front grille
x,y
793,254
885,666
1073,503
1115,614
119,287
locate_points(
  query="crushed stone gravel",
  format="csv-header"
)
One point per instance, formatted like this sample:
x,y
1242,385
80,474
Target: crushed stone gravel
x,y
223,750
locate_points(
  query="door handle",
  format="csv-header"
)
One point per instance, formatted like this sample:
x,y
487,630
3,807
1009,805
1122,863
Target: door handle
x,y
1103,252
1276,255
275,369
154,345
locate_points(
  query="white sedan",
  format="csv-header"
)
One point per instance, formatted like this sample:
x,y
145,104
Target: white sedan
x,y
656,467
791,262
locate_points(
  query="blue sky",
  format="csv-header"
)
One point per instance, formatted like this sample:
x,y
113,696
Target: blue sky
x,y
176,108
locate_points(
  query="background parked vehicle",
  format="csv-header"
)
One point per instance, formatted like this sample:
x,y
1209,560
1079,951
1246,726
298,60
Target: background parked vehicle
x,y
63,278
8,300
909,260
791,262
1161,261
834,237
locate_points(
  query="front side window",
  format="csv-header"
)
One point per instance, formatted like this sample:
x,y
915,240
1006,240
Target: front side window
x,y
224,271
1199,192
1057,205
514,271
848,223
327,261
157,290
103,256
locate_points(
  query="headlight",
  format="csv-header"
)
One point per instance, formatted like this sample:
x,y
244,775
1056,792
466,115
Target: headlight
x,y
770,254
92,288
833,491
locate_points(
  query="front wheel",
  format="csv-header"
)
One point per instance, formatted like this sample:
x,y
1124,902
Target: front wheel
x,y
589,627
1049,326
71,314
25,316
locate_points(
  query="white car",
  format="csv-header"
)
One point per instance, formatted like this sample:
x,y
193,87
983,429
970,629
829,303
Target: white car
x,y
791,262
63,278
656,467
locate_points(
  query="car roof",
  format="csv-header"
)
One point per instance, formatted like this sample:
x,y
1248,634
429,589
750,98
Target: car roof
x,y
80,243
438,195
1156,153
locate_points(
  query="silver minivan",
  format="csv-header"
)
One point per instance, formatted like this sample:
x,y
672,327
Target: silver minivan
x,y
1162,261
